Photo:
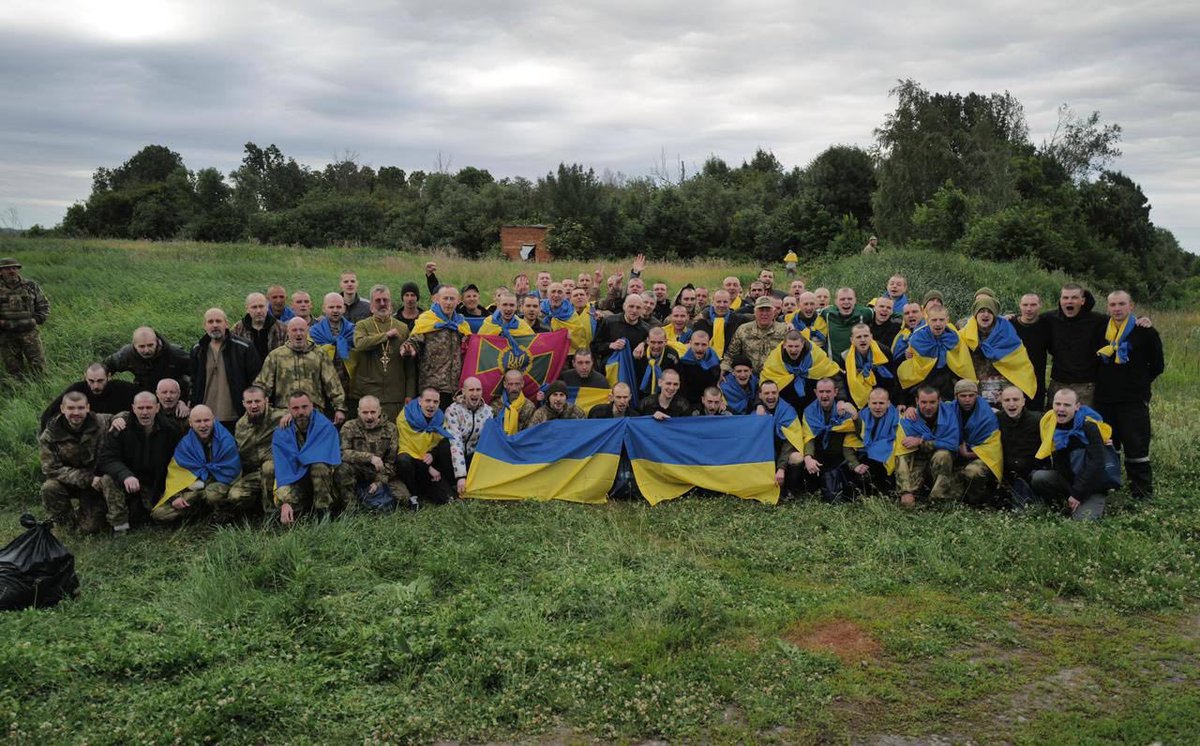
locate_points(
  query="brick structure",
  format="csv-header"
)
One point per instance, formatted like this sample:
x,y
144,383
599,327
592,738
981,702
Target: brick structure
x,y
515,241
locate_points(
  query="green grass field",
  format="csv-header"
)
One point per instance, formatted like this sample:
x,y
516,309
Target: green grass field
x,y
698,620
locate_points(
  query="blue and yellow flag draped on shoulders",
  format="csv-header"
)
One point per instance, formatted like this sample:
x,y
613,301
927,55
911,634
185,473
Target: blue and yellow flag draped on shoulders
x,y
572,460
619,369
813,366
587,397
932,352
418,434
881,436
540,357
322,445
579,327
946,436
191,464
737,399
732,455
1117,337
336,347
1005,351
863,372
435,318
1054,439
818,424
981,433
788,425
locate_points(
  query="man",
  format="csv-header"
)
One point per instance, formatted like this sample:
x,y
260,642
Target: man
x,y
223,365
151,358
872,247
866,366
878,422
23,308
170,399
583,373
897,292
620,330
302,306
556,406
470,307
300,366
430,460
686,297
702,302
796,289
511,407
841,319
757,290
134,460
913,318
808,321
699,367
379,342
556,310
979,463
333,334
253,434
1034,332
756,340
827,455
936,356
504,318
1076,333
997,353
767,278
520,285
662,304
822,296
931,436
357,309
467,417
740,388
794,362
788,461
369,446
650,359
104,394
719,322
1076,449
438,335
277,304
209,452
1020,438
531,314
733,286
678,329
884,324
712,404
668,403
307,454
1130,360
617,406
68,449
544,279
260,328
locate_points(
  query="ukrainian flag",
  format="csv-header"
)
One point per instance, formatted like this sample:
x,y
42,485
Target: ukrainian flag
x,y
572,460
862,374
788,425
981,433
435,318
619,369
947,436
1117,337
881,437
587,397
494,324
931,352
815,424
321,446
731,455
1054,439
1005,350
814,366
190,463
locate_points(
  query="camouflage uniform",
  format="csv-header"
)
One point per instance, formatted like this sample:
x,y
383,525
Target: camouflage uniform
x,y
318,490
754,343
359,444
286,370
258,467
441,359
524,417
911,469
212,494
23,308
546,414
69,464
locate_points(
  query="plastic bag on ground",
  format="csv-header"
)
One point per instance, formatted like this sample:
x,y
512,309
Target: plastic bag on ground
x,y
36,569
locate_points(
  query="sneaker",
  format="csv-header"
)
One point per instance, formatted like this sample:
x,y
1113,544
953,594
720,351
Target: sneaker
x,y
121,530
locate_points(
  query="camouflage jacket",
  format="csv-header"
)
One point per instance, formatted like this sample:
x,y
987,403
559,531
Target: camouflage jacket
x,y
441,359
546,414
286,370
23,307
70,455
754,343
360,443
523,417
254,438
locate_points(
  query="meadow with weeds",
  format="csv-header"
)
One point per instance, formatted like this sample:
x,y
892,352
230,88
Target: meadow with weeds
x,y
702,619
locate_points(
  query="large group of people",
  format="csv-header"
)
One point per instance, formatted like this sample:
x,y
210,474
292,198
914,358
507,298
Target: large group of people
x,y
306,409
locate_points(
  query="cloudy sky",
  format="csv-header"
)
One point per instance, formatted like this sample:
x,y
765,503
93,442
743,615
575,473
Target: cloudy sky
x,y
518,87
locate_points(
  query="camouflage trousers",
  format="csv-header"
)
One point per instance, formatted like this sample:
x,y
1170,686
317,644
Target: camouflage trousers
x,y
255,485
318,490
972,481
59,499
122,506
212,497
352,475
22,353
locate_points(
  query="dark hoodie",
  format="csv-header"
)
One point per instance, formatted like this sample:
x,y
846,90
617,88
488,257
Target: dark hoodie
x,y
1074,342
168,362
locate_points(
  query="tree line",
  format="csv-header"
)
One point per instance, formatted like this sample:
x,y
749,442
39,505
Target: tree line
x,y
947,171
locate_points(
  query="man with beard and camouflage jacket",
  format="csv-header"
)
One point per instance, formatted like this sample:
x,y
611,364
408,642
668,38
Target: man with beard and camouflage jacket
x,y
369,447
253,433
67,449
301,366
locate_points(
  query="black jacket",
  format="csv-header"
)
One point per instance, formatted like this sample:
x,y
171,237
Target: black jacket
x,y
135,453
679,406
613,328
1020,439
1130,381
116,397
242,365
1074,341
169,362
605,412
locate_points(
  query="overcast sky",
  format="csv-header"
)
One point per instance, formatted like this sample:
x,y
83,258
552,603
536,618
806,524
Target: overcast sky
x,y
613,85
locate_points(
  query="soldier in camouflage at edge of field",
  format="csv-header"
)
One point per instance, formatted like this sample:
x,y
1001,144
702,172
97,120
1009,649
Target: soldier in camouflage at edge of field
x,y
68,448
23,308
253,433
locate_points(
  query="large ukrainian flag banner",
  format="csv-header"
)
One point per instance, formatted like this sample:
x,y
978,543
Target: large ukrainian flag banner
x,y
619,369
733,455
572,460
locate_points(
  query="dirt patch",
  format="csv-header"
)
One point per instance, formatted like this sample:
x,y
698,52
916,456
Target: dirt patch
x,y
842,637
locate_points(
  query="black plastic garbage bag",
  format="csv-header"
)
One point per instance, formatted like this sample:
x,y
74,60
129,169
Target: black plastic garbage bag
x,y
35,568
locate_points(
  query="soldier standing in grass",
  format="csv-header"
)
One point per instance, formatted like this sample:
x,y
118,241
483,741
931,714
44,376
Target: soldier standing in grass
x,y
23,308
